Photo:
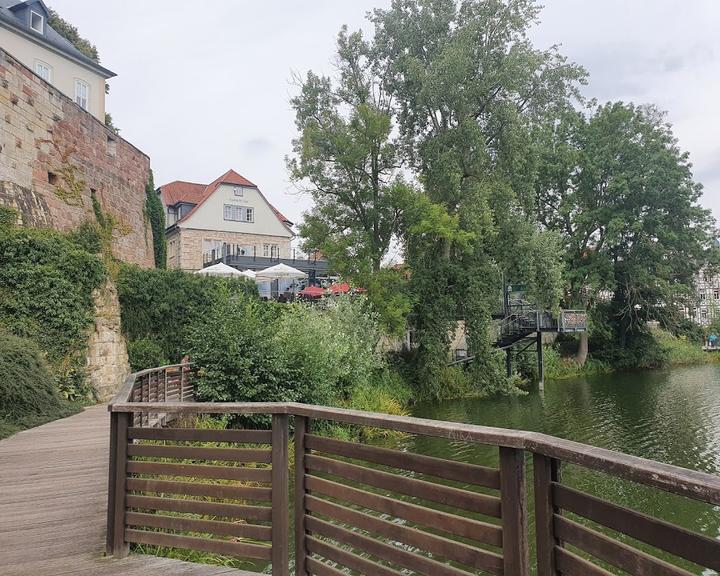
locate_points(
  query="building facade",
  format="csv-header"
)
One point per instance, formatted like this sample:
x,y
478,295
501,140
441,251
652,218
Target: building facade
x,y
27,36
707,299
228,216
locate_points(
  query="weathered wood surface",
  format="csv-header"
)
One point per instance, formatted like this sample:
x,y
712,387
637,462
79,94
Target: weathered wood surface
x,y
53,499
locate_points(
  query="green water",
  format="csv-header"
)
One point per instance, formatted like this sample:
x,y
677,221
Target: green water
x,y
670,416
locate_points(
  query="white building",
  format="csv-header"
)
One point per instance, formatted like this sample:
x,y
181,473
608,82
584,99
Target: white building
x,y
230,216
26,35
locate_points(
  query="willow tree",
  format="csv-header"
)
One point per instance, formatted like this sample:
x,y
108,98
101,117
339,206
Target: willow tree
x,y
472,92
346,158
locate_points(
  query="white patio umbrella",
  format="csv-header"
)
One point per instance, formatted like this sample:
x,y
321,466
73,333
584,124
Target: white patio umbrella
x,y
220,269
250,274
279,272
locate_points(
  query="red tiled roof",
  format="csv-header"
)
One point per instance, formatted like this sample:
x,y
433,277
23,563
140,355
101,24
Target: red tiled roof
x,y
179,191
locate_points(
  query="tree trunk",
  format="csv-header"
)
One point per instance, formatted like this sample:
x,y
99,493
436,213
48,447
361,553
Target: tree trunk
x,y
582,349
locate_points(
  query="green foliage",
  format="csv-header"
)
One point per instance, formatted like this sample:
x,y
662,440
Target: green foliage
x,y
8,216
109,121
617,187
559,368
145,353
162,305
346,158
70,32
249,350
28,391
46,285
156,213
390,297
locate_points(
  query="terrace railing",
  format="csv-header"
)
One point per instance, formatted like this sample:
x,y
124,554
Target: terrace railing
x,y
374,510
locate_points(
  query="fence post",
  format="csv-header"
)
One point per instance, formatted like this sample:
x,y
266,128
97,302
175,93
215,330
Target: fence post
x,y
280,496
109,533
301,428
516,555
546,471
116,544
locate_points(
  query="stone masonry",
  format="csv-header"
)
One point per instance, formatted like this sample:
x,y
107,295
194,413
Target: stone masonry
x,y
189,244
54,157
107,360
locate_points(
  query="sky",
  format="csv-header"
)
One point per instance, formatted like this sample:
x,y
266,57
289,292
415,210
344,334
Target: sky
x,y
205,87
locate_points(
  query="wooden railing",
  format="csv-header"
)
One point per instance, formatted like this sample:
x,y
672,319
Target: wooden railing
x,y
383,511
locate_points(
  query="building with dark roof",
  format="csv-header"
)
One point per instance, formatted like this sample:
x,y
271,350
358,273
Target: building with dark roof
x,y
26,35
228,216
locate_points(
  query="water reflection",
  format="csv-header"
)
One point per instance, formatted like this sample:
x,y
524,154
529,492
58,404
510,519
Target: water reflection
x,y
671,416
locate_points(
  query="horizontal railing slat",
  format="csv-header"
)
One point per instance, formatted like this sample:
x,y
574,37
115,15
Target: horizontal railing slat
x,y
317,568
202,507
622,556
215,527
436,545
193,435
242,549
387,552
457,525
200,471
688,545
569,564
438,467
194,453
222,491
347,559
463,499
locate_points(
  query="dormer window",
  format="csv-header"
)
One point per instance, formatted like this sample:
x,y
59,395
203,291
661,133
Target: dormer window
x,y
37,22
238,191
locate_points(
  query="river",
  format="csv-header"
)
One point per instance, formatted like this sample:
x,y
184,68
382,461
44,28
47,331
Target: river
x,y
672,416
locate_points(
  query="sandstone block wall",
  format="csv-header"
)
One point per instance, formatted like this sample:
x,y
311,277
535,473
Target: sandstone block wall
x,y
107,359
54,156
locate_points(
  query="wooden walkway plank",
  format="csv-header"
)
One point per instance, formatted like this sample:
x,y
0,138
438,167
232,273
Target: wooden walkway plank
x,y
53,503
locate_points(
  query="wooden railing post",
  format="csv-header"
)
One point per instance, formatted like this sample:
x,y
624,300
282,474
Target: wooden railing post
x,y
546,471
116,544
516,555
280,496
301,427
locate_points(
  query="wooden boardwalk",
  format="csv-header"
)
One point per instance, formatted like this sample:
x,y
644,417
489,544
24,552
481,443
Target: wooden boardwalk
x,y
53,497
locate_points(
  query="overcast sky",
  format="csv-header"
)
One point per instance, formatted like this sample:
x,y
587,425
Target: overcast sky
x,y
204,86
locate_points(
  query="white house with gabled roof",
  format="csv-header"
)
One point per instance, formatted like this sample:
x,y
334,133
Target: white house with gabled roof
x,y
229,216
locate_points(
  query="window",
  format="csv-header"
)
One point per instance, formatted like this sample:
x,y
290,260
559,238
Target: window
x,y
271,251
43,70
212,248
238,192
238,213
716,294
82,94
702,295
37,22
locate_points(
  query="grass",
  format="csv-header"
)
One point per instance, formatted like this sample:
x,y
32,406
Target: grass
x,y
9,427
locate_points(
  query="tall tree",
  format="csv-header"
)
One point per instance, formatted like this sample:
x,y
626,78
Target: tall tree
x,y
620,191
346,158
472,91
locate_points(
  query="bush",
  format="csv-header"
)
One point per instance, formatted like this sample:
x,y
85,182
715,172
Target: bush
x,y
254,351
145,353
46,285
162,305
28,393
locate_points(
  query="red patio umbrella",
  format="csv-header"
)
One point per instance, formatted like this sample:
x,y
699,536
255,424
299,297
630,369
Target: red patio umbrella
x,y
312,292
343,288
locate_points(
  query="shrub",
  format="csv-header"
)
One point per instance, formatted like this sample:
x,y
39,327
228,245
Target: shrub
x,y
162,305
46,285
145,353
28,393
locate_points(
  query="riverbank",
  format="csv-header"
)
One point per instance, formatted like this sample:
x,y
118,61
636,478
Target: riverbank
x,y
671,351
